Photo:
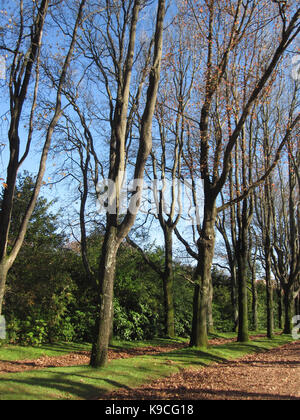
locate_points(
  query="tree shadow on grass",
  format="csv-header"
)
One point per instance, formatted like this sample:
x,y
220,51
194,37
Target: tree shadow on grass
x,y
66,348
57,386
86,383
161,342
241,348
191,357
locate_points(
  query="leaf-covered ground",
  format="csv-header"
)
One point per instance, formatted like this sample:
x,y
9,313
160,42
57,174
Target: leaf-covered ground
x,y
274,374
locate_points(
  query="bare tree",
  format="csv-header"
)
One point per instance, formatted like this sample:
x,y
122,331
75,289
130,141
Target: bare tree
x,y
109,46
216,157
285,246
25,67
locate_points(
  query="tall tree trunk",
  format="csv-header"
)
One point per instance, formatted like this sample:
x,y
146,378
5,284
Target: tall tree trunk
x,y
254,301
117,231
8,196
22,71
287,302
297,305
3,277
252,265
18,98
202,277
168,285
279,306
234,300
243,329
107,270
210,319
243,219
269,293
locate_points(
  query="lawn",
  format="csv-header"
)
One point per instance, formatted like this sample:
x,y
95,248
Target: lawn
x,y
83,382
12,353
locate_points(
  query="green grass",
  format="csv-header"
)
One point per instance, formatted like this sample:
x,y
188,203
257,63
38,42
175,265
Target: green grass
x,y
117,344
83,382
12,353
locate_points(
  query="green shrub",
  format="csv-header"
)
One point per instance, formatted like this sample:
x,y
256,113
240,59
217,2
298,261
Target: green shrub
x,y
133,325
67,331
30,332
83,322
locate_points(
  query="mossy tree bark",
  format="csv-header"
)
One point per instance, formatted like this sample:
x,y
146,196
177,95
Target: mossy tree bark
x,y
168,285
107,268
279,306
269,294
287,302
243,328
202,277
4,267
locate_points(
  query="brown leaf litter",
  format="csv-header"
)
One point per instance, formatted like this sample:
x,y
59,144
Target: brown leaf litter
x,y
271,375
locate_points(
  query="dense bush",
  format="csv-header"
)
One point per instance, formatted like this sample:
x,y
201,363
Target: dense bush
x,y
30,331
222,305
134,325
34,331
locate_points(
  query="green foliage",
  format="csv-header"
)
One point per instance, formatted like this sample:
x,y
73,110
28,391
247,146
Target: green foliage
x,y
134,325
222,305
39,287
183,301
261,306
31,331
137,298
139,311
222,308
83,322
42,228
